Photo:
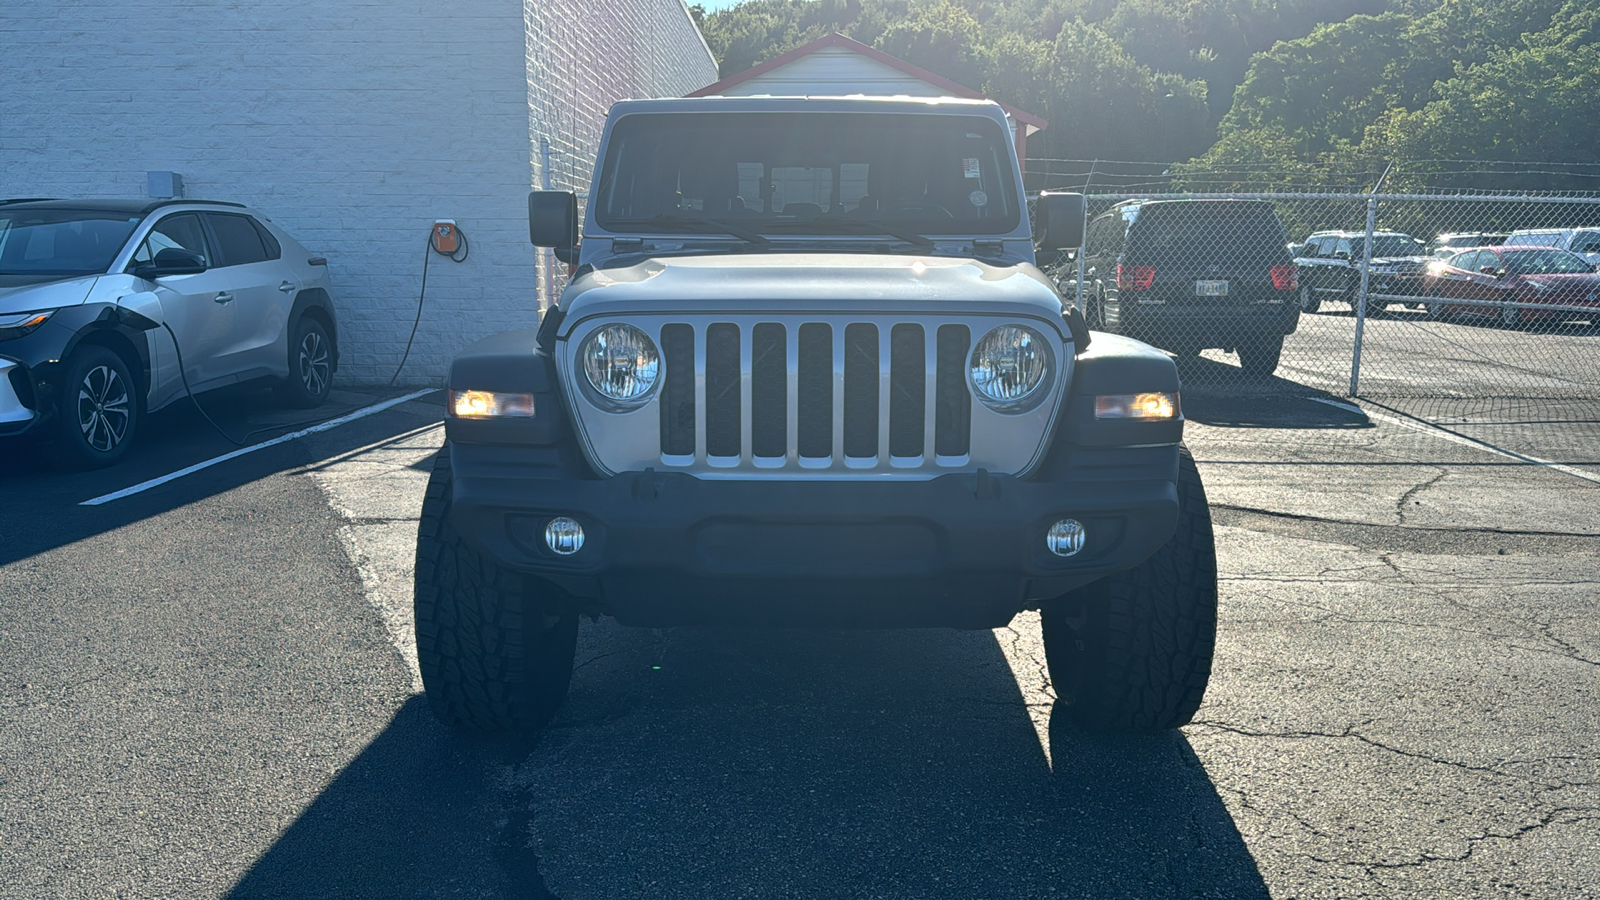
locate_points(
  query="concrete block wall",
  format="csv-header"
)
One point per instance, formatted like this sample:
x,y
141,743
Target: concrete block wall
x,y
354,125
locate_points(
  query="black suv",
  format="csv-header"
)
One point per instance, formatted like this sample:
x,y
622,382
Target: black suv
x,y
1190,275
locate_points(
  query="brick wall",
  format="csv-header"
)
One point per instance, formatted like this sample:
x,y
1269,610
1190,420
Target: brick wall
x,y
352,124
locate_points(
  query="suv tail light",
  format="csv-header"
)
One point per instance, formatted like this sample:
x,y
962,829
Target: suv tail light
x,y
1135,278
1285,278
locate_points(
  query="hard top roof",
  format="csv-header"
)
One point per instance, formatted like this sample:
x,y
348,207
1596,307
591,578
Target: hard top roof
x,y
850,103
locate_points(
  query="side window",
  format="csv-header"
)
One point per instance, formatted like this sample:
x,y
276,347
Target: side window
x,y
182,231
1470,260
240,241
1317,247
274,249
1344,246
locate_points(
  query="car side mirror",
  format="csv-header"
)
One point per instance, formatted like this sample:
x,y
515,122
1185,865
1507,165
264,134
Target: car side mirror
x,y
1060,217
172,261
1341,254
553,222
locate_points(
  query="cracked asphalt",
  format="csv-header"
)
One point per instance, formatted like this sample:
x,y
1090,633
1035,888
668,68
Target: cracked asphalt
x,y
210,690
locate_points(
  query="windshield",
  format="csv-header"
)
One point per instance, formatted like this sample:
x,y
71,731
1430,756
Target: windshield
x,y
1544,262
61,243
808,173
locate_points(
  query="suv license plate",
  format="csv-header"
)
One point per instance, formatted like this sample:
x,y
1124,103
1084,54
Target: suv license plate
x,y
1211,288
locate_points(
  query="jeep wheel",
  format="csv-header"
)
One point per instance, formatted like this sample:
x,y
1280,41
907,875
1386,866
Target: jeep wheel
x,y
1309,301
1132,651
1260,356
495,650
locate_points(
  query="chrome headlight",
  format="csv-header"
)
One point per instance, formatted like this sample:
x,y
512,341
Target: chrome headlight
x,y
1009,367
621,364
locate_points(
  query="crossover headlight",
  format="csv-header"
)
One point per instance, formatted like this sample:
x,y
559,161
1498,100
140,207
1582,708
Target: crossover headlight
x,y
490,404
1009,367
15,325
621,363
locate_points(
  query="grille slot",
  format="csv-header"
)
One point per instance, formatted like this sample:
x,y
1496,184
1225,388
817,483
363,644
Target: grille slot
x,y
861,390
677,391
908,382
815,389
723,376
953,418
769,390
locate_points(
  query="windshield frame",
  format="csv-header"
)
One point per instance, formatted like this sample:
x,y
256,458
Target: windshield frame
x,y
785,232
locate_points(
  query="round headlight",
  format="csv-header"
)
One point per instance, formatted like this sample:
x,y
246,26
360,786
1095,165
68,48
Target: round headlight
x,y
1009,366
621,363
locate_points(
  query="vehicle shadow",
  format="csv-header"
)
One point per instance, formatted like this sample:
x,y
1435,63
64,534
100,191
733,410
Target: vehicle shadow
x,y
43,501
1218,394
707,763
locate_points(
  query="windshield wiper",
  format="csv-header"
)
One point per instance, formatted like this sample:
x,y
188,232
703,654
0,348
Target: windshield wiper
x,y
698,224
870,227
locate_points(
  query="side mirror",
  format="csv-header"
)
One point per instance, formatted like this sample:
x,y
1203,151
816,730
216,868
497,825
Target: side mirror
x,y
1341,254
172,261
553,221
141,310
1060,218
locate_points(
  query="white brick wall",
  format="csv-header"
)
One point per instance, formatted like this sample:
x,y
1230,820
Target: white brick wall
x,y
352,124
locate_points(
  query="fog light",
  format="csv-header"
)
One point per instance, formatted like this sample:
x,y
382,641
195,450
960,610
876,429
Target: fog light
x,y
1065,538
564,536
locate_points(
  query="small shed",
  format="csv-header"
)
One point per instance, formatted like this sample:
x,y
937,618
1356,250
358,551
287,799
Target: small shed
x,y
836,66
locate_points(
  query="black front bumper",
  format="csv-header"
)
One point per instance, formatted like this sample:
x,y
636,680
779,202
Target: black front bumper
x,y
962,550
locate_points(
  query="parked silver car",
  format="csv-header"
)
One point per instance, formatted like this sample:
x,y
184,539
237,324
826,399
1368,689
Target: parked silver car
x,y
110,310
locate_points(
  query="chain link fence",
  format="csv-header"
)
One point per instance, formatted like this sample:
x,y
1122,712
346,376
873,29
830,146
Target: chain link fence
x,y
1490,299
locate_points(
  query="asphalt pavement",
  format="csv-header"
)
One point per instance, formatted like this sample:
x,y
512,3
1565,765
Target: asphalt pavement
x,y
208,690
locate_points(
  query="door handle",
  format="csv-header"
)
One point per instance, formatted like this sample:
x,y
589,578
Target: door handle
x,y
286,287
224,297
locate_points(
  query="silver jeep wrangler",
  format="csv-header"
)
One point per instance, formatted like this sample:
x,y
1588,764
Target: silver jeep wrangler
x,y
807,372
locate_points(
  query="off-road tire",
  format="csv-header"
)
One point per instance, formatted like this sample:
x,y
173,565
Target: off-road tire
x,y
495,648
1260,356
1132,651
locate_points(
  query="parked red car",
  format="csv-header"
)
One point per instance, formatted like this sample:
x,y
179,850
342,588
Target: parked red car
x,y
1513,284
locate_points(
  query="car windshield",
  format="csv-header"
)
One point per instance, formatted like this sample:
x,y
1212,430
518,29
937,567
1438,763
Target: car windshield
x,y
1544,262
812,173
1390,245
40,244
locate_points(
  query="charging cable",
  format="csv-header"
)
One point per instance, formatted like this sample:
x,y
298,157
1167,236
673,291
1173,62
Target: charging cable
x,y
460,255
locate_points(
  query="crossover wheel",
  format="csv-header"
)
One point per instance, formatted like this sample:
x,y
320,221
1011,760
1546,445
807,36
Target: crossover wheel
x,y
495,648
99,411
1132,651
1309,301
1260,356
310,365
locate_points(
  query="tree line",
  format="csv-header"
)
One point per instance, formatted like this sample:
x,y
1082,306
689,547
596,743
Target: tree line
x,y
1246,94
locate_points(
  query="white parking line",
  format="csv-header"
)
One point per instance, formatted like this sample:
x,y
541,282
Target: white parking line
x,y
1445,434
323,426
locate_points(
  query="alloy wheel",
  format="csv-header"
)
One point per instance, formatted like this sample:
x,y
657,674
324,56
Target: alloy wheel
x,y
103,404
315,366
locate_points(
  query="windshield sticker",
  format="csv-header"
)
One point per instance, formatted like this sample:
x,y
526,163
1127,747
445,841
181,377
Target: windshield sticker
x,y
970,168
978,198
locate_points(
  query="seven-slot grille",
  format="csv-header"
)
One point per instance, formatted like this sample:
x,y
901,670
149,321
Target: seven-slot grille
x,y
814,394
